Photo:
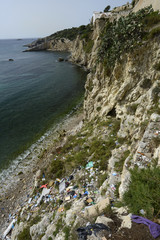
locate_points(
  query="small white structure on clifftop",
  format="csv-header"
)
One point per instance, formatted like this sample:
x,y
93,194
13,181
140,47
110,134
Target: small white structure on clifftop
x,y
97,15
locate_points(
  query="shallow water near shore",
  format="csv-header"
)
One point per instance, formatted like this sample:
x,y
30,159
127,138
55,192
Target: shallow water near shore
x,y
36,91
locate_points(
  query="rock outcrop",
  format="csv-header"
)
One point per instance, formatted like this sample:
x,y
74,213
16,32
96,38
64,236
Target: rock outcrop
x,y
145,3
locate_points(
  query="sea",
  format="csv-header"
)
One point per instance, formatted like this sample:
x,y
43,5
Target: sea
x,y
36,92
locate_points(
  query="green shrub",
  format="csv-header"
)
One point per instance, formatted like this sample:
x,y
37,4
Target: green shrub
x,y
67,206
57,168
88,46
143,192
50,238
59,226
25,234
146,83
71,33
122,36
132,108
102,178
157,66
154,33
152,19
120,163
66,231
35,220
133,3
98,109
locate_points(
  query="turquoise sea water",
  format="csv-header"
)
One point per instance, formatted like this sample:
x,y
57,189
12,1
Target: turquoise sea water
x,y
35,90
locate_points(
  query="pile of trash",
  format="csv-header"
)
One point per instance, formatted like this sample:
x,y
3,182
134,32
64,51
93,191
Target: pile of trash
x,y
56,193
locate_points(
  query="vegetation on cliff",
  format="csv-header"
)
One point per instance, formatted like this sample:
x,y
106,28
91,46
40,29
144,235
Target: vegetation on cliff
x,y
72,33
126,34
144,191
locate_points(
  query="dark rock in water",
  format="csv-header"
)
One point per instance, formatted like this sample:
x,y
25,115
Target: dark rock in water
x,y
11,60
61,59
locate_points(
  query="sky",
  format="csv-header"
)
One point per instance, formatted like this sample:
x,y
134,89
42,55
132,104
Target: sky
x,y
40,18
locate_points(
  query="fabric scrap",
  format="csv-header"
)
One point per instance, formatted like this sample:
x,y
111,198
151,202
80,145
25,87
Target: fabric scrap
x,y
153,227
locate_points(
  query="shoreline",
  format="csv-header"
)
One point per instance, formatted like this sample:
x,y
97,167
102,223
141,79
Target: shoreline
x,y
16,187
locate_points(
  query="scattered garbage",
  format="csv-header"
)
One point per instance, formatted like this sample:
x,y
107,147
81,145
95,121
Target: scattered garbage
x,y
153,227
43,177
142,212
83,232
10,227
62,187
114,174
44,186
51,183
89,165
69,191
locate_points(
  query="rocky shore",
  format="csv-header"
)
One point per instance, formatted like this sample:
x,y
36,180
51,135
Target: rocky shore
x,y
19,184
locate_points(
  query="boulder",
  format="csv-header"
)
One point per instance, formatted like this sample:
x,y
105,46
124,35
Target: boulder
x,y
155,117
126,222
96,209
60,59
104,220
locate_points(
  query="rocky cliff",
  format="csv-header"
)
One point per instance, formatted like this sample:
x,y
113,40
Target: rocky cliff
x,y
145,3
113,158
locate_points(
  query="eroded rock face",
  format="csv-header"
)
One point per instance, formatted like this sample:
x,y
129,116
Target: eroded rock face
x,y
145,3
40,228
62,44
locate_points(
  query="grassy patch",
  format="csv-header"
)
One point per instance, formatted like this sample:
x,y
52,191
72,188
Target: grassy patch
x,y
67,206
144,125
66,231
101,179
132,108
151,19
154,33
59,226
144,191
35,220
57,168
157,66
88,46
25,234
120,163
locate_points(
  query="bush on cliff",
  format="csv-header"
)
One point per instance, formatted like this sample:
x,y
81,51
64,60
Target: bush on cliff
x,y
143,192
124,35
25,234
71,33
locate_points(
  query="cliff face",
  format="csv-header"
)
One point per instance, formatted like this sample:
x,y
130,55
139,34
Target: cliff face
x,y
145,3
62,44
131,94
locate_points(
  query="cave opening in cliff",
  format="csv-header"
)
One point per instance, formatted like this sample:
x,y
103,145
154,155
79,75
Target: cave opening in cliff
x,y
112,113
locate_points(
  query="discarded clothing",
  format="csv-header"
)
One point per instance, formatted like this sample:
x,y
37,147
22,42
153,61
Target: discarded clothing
x,y
83,232
153,227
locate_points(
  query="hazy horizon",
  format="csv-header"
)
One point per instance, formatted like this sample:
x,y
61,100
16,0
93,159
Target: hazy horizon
x,y
37,19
